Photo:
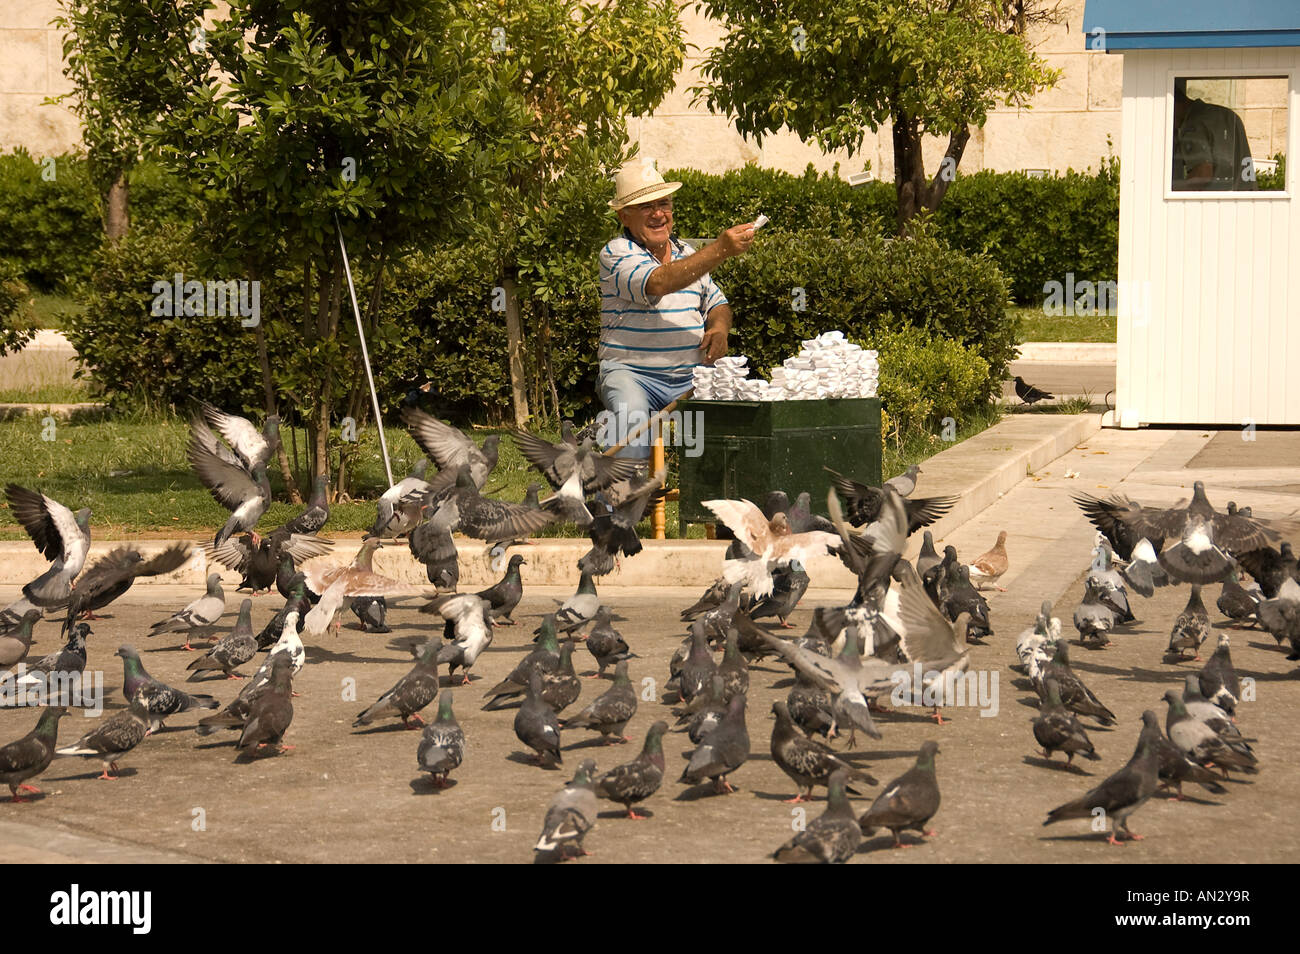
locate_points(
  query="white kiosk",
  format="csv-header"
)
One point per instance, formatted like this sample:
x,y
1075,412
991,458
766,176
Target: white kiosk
x,y
1209,223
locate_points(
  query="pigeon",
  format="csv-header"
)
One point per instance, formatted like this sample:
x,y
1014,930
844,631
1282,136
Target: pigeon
x,y
719,620
1144,572
359,578
699,667
1202,744
1176,768
1076,696
11,616
908,802
573,472
935,645
449,448
863,503
1030,394
1270,568
637,780
31,755
571,814
69,660
928,558
1236,602
610,712
703,714
504,596
808,763
545,658
613,528
372,613
259,558
409,694
561,687
1057,729
1279,616
733,669
160,700
579,609
1046,627
723,750
1094,618
431,544
1190,628
788,587
198,618
831,839
232,650
1205,537
1218,679
270,712
713,598
772,543
398,508
299,602
1123,539
810,706
1110,584
61,536
536,725
989,567
461,507
1202,710
113,574
238,481
905,482
1123,793
469,618
112,738
15,646
234,715
442,745
604,643
313,519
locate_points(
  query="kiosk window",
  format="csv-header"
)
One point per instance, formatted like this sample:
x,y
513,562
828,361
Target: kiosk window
x,y
1229,133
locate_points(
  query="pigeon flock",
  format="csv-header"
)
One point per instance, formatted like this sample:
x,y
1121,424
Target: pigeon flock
x,y
906,621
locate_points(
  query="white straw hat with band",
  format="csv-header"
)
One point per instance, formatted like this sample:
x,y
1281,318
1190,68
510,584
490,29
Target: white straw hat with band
x,y
638,182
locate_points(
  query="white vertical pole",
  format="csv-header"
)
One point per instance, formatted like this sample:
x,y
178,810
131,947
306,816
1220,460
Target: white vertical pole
x,y
365,354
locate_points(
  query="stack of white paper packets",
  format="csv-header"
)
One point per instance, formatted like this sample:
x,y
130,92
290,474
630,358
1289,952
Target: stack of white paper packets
x,y
828,366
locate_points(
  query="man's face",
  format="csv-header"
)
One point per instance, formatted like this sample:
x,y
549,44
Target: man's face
x,y
650,222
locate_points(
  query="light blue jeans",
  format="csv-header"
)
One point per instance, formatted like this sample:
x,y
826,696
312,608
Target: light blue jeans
x,y
631,397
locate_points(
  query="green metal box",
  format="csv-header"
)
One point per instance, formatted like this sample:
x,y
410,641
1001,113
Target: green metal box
x,y
753,447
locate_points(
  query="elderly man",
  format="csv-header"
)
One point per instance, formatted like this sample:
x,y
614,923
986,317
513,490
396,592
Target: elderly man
x,y
660,312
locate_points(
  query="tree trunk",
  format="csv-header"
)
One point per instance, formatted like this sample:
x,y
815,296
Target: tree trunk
x,y
915,194
514,351
117,209
272,405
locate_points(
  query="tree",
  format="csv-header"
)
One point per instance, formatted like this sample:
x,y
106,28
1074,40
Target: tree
x,y
380,118
578,69
118,54
831,71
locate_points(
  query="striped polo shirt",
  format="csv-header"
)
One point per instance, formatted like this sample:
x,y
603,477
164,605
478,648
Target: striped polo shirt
x,y
660,335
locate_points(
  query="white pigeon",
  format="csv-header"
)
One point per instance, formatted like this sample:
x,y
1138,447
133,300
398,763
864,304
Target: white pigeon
x,y
199,617
772,543
469,614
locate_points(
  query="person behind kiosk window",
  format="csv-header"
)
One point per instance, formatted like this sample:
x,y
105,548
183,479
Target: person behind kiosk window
x,y
660,312
1211,151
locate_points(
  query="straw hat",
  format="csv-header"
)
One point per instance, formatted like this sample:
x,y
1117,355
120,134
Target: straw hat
x,y
639,181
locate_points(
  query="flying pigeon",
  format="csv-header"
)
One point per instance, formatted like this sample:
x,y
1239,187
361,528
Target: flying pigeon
x,y
863,503
61,536
449,448
772,543
236,477
112,575
259,558
573,472
313,519
398,508
908,802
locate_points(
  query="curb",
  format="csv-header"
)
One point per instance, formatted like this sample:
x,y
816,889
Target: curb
x,y
1069,352
978,471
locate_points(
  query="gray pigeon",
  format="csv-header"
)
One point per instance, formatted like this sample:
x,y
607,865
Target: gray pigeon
x,y
637,780
699,666
545,658
832,838
232,650
31,755
1057,729
1123,793
723,750
1190,628
561,687
536,725
611,711
808,763
1202,744
905,482
1219,682
504,596
1094,619
580,608
733,669
372,613
1076,696
442,746
411,693
928,558
66,661
572,813
271,711
1236,602
112,738
197,619
908,802
17,643
236,477
605,643
788,587
160,700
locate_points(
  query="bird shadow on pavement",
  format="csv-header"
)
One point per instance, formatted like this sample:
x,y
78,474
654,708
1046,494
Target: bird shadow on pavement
x,y
596,743
318,655
704,790
1170,796
886,843
1167,676
1062,766
522,758
620,814
387,728
425,785
92,775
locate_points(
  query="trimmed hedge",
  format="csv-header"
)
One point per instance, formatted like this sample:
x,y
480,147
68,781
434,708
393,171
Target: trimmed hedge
x,y
15,322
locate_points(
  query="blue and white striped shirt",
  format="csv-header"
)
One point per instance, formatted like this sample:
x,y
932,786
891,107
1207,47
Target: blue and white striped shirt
x,y
650,334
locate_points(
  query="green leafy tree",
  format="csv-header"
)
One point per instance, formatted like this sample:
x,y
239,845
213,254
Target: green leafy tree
x,y
832,71
121,57
387,120
578,69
